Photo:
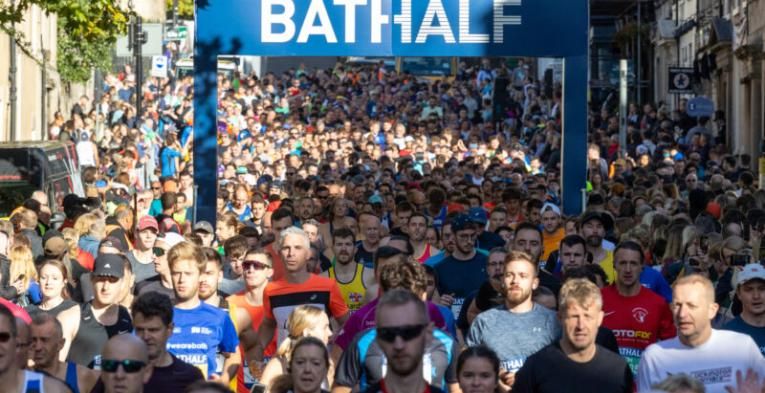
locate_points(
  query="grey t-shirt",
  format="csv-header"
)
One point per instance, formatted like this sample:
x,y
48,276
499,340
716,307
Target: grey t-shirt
x,y
141,271
514,336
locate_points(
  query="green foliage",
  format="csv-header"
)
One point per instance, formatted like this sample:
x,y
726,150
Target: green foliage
x,y
76,58
185,8
87,30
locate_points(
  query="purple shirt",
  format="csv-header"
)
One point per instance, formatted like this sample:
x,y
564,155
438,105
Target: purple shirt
x,y
364,318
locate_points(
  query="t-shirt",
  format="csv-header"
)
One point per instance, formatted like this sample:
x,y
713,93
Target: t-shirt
x,y
175,378
363,256
756,333
364,319
364,362
199,333
636,321
551,371
655,281
514,336
153,284
713,363
460,278
608,266
281,297
551,242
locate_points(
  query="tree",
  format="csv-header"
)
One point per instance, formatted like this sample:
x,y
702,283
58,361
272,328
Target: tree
x,y
185,8
87,31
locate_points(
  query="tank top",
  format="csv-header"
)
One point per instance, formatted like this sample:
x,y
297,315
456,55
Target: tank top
x,y
92,336
245,380
55,311
425,254
352,291
33,382
71,377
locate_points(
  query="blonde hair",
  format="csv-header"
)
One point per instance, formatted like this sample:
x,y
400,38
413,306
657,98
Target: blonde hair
x,y
691,279
22,265
72,238
581,291
302,318
90,224
187,251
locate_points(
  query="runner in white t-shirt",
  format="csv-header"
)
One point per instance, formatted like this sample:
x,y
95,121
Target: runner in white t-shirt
x,y
711,356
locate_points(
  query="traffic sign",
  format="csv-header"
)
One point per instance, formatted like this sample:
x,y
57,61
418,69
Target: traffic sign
x,y
680,79
701,106
179,33
159,66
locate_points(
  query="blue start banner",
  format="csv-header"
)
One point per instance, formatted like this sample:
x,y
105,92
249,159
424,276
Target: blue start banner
x,y
555,28
453,28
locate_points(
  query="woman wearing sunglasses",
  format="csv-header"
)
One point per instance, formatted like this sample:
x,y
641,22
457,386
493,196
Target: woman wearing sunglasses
x,y
307,369
304,321
478,370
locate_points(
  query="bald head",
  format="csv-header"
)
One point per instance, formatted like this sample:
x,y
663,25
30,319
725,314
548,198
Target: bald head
x,y
125,346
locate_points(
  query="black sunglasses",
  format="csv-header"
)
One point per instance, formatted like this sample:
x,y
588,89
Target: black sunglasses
x,y
407,333
246,265
5,337
130,366
158,251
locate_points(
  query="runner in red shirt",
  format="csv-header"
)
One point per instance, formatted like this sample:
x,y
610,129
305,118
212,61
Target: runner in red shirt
x,y
637,316
298,287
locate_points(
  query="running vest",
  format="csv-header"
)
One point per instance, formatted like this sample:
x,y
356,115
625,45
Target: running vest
x,y
92,336
33,382
352,291
71,377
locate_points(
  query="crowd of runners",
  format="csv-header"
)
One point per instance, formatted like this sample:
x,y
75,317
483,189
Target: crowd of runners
x,y
379,232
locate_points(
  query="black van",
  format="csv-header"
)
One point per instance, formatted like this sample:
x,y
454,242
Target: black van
x,y
25,167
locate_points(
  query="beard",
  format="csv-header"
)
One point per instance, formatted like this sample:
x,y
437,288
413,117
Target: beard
x,y
517,295
594,241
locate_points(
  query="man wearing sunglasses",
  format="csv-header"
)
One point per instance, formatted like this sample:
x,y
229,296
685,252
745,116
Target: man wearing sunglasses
x,y
403,330
248,306
125,365
12,377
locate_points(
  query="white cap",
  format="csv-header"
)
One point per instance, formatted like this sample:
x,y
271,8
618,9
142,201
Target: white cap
x,y
172,238
549,206
750,272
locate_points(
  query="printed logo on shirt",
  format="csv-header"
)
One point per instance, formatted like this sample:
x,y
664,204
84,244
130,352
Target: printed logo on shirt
x,y
639,313
629,333
713,376
513,365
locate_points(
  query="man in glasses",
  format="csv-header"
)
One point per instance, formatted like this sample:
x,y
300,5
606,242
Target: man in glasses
x,y
14,378
403,331
125,365
249,313
142,256
363,362
462,272
163,281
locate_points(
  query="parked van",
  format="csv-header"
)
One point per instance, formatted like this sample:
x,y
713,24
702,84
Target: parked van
x,y
25,167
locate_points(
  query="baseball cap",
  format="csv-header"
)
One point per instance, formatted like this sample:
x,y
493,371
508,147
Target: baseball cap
x,y
751,271
461,222
604,219
148,222
55,247
203,226
172,238
549,206
113,242
109,265
478,215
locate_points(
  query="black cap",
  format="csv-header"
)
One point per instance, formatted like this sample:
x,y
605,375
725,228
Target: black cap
x,y
109,265
603,217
